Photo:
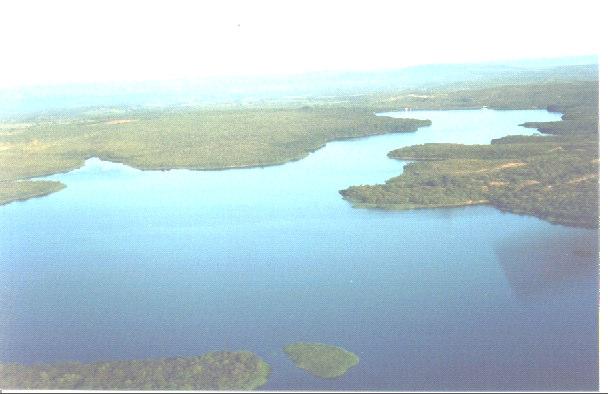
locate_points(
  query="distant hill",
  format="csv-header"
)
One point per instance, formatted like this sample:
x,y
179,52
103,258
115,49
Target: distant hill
x,y
32,100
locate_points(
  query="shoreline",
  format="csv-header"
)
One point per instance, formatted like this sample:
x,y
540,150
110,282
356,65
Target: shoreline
x,y
303,156
409,160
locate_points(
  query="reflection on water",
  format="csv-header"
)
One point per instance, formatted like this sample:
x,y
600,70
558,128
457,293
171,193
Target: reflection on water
x,y
535,264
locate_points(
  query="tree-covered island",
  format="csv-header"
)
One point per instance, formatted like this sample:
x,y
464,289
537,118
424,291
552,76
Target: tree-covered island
x,y
211,371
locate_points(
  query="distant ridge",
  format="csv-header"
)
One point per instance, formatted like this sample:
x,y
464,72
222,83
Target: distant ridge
x,y
36,99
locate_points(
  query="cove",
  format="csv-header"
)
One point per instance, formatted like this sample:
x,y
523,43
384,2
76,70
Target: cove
x,y
129,264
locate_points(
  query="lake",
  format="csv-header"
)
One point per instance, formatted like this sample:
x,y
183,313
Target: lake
x,y
127,264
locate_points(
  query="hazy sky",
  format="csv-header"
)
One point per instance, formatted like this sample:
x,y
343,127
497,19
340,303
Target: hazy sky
x,y
87,41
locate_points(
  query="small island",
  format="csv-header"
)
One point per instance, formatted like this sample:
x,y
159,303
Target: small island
x,y
210,371
325,361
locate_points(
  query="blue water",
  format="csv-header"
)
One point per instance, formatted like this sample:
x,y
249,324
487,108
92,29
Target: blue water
x,y
135,264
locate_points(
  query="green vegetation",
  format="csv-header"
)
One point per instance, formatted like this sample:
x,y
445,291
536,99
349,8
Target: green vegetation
x,y
551,177
211,371
321,360
196,139
23,189
575,97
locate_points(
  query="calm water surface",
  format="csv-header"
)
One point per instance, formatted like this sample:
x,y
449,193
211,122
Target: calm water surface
x,y
130,264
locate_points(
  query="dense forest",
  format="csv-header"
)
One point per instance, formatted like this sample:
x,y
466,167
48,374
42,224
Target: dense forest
x,y
553,177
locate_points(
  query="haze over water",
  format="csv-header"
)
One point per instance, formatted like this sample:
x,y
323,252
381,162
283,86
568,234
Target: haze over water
x,y
136,264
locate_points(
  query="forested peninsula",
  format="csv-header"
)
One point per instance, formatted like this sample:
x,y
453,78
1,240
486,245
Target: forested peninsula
x,y
198,139
554,177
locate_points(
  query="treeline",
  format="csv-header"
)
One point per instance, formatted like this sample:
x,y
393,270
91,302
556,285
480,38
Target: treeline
x,y
558,96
